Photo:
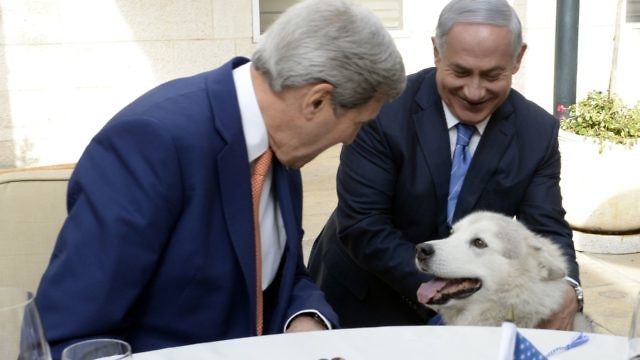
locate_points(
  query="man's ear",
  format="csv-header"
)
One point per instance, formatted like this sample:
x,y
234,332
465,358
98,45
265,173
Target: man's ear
x,y
317,99
518,59
436,53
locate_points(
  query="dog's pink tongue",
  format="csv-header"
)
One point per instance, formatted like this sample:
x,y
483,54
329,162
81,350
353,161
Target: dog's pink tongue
x,y
427,290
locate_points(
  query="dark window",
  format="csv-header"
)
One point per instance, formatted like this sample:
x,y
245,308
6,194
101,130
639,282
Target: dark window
x,y
633,11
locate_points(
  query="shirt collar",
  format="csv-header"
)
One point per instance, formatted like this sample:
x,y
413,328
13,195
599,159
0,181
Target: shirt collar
x,y
452,120
255,131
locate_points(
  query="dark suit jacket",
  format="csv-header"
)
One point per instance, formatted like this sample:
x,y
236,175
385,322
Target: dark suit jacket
x,y
158,245
393,183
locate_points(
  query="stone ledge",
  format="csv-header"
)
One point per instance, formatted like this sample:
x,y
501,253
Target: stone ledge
x,y
606,244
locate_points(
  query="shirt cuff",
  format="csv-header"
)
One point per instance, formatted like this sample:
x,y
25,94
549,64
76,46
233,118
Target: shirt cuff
x,y
314,313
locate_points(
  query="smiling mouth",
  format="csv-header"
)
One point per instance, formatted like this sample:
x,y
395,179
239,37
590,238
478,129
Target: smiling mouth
x,y
473,103
439,290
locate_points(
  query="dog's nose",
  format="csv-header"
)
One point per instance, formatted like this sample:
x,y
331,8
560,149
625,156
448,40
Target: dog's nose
x,y
424,251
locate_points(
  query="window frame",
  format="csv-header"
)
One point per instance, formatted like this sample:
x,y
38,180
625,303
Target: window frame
x,y
255,15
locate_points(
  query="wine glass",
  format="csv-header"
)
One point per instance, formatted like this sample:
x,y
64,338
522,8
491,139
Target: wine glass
x,y
21,334
111,349
634,331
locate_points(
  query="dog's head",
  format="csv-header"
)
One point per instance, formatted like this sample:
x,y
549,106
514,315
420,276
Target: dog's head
x,y
486,254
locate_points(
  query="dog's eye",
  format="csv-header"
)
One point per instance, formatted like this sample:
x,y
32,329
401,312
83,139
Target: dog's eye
x,y
479,243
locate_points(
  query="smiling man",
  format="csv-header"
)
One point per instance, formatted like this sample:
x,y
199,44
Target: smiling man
x,y
458,139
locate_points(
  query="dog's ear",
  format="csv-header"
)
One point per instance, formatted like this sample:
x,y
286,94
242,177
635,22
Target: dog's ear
x,y
547,255
550,261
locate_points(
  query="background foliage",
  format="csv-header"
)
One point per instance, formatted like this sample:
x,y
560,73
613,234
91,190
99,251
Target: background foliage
x,y
603,116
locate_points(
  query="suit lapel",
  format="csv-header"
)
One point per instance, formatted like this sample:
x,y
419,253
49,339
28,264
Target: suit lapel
x,y
286,201
288,190
433,136
233,168
493,144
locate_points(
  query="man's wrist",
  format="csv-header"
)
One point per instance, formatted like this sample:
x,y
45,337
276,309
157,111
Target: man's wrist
x,y
579,292
317,318
310,314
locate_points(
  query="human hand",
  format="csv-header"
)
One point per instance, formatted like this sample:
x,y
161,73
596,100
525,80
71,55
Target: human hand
x,y
305,322
562,319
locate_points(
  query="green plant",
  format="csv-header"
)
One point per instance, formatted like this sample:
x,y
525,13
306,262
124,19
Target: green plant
x,y
604,117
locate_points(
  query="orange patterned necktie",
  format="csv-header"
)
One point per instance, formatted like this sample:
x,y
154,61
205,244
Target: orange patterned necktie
x,y
260,169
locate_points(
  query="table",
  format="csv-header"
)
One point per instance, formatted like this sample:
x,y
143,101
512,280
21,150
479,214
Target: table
x,y
394,342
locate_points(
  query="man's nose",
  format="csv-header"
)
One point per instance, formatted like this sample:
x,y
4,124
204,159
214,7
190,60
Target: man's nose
x,y
474,90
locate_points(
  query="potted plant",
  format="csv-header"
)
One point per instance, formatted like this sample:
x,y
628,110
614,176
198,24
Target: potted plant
x,y
603,117
600,177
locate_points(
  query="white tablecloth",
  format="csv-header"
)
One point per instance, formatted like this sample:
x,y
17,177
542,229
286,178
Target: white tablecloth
x,y
385,343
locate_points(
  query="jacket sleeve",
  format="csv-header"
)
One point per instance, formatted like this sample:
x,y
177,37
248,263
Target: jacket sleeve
x,y
123,199
366,185
305,296
541,207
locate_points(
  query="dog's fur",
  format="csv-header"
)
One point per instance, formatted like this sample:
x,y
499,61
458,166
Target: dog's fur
x,y
506,266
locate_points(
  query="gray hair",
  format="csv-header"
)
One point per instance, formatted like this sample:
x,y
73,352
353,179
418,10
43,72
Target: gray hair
x,y
493,12
336,42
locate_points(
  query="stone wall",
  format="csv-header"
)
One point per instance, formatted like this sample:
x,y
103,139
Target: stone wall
x,y
66,66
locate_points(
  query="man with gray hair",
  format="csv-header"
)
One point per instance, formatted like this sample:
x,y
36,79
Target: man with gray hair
x,y
168,240
459,139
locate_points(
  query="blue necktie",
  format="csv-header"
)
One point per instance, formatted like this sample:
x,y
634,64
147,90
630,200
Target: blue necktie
x,y
459,166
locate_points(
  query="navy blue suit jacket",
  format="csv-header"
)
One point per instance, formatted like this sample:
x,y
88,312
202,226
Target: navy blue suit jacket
x,y
158,245
393,184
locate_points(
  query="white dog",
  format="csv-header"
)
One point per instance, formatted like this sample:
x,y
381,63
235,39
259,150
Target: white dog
x,y
490,264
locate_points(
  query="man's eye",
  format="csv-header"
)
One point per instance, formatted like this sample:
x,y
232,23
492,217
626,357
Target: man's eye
x,y
478,243
493,76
